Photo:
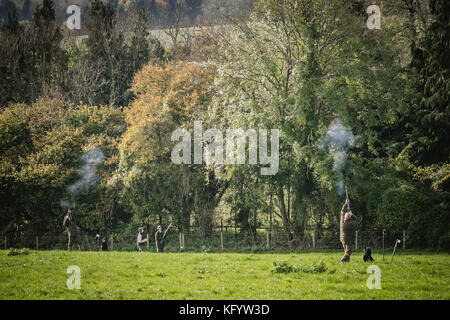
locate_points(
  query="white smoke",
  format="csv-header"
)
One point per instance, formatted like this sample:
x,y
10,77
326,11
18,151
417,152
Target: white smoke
x,y
88,175
338,140
66,204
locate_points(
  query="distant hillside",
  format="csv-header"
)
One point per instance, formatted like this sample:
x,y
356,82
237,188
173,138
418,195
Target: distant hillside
x,y
161,13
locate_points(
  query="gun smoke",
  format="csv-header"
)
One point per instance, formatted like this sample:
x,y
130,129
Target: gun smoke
x,y
88,175
338,140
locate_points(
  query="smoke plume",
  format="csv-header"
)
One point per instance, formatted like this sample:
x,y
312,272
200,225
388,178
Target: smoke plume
x,y
88,175
338,140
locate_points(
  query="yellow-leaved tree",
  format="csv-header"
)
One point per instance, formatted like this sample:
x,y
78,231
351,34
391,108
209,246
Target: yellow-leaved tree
x,y
167,98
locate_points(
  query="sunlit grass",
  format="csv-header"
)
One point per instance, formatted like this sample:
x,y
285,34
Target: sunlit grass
x,y
129,275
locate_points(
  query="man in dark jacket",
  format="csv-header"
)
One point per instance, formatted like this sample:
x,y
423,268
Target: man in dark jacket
x,y
347,232
72,231
160,238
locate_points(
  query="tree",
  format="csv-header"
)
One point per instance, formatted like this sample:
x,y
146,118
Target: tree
x,y
14,65
297,66
176,15
167,98
47,58
113,52
42,145
272,76
33,58
431,115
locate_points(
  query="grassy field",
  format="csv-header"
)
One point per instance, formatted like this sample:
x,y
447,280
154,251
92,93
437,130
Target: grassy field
x,y
129,275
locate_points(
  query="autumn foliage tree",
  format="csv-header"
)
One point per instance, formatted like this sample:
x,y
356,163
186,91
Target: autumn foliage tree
x,y
41,145
168,97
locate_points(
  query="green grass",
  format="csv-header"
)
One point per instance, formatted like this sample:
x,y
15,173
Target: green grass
x,y
132,275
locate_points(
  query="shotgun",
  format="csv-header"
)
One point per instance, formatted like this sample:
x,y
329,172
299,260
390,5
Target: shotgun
x,y
348,200
167,230
395,247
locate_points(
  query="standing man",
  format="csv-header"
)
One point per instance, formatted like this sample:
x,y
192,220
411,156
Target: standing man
x,y
160,238
72,231
101,243
141,241
104,246
347,231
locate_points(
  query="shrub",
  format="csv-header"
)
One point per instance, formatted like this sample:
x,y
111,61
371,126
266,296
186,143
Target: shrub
x,y
282,267
320,268
18,252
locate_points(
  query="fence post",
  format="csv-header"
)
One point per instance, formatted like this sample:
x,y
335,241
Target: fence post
x,y
221,240
148,242
181,240
313,234
356,240
382,244
182,237
267,239
404,239
5,242
112,243
37,243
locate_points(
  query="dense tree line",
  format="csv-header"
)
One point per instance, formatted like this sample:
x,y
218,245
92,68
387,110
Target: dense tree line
x,y
97,69
294,65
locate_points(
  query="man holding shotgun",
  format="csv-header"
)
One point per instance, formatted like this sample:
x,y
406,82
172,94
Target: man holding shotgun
x,y
160,238
347,228
72,231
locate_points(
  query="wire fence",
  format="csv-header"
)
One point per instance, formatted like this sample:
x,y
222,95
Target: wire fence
x,y
218,240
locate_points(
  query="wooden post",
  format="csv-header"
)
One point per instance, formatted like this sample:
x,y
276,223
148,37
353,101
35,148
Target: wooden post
x,y
270,216
5,242
180,236
37,243
313,240
148,242
382,244
112,243
356,240
404,239
267,239
221,240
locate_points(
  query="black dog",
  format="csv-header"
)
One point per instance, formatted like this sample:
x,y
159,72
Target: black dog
x,y
367,254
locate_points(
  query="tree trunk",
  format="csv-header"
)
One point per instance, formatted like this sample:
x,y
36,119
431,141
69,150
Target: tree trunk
x,y
206,220
284,214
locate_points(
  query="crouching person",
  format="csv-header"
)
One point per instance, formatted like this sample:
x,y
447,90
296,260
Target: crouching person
x,y
368,254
